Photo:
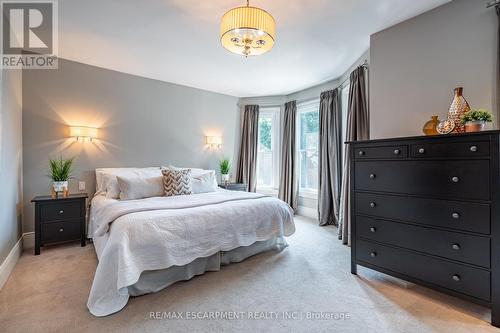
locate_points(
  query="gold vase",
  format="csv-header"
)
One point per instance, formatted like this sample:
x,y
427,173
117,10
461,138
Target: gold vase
x,y
458,107
430,126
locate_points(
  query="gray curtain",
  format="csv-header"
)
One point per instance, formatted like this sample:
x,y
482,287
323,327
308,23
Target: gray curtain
x,y
247,162
330,159
288,178
358,128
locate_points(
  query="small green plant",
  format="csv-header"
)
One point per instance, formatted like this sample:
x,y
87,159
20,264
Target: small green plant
x,y
224,166
60,170
477,115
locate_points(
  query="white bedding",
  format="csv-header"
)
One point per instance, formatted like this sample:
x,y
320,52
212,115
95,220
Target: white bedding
x,y
156,233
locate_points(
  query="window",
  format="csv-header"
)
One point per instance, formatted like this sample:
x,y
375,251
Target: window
x,y
268,149
307,146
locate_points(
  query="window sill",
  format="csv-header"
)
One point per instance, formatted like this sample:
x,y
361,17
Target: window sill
x,y
308,194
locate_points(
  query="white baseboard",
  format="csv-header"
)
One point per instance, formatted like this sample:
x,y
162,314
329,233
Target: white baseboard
x,y
10,262
307,212
28,240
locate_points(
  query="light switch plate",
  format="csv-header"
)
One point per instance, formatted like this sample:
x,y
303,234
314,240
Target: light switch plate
x,y
81,186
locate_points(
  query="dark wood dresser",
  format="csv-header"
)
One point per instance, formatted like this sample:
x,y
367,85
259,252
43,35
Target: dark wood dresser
x,y
59,220
427,210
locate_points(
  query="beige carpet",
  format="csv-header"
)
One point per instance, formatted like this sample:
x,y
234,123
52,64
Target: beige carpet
x,y
48,293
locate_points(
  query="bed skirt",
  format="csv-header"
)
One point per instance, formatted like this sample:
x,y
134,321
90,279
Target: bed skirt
x,y
153,281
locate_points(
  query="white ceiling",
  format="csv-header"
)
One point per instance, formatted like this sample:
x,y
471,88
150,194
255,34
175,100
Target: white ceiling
x,y
178,40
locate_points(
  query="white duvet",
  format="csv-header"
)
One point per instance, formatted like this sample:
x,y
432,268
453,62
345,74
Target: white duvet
x,y
157,233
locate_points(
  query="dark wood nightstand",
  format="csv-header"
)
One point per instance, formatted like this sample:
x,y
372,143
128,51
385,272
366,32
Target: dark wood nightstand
x,y
59,220
234,186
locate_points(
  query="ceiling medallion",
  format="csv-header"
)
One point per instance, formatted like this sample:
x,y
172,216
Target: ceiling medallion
x,y
248,31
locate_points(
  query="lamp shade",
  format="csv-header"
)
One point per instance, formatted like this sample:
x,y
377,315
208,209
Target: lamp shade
x,y
214,140
247,31
83,132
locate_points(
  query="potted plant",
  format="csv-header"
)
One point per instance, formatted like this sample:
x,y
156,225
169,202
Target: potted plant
x,y
475,120
60,173
225,168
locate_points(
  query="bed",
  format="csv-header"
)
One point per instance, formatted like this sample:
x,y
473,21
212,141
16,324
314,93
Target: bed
x,y
145,245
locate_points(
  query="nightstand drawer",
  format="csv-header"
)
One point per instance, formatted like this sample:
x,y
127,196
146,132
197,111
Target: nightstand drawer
x,y
60,211
61,231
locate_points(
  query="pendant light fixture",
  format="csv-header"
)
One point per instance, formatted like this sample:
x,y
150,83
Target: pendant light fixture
x,y
247,31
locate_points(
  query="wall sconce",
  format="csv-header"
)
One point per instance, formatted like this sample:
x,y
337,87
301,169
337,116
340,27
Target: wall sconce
x,y
83,132
214,142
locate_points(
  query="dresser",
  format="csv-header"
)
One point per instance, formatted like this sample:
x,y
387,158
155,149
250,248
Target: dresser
x,y
427,210
59,220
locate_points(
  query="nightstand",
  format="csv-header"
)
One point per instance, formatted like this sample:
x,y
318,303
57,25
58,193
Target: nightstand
x,y
59,220
234,186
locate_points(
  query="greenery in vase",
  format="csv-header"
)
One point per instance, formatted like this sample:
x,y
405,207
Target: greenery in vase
x,y
477,115
224,166
60,170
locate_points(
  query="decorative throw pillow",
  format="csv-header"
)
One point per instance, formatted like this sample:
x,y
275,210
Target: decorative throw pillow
x,y
176,182
140,187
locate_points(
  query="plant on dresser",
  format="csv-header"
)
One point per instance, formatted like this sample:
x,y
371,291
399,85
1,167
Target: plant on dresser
x,y
427,210
59,220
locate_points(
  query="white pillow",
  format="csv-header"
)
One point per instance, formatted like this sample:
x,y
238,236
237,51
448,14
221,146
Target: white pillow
x,y
195,172
100,172
207,182
140,187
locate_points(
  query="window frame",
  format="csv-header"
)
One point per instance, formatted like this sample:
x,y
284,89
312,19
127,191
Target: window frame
x,y
275,113
305,107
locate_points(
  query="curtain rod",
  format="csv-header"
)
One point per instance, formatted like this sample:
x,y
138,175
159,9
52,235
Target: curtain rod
x,y
493,3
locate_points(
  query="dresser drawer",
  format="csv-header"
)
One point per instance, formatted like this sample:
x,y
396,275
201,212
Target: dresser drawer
x,y
60,211
60,231
386,152
457,149
451,179
458,215
460,278
452,245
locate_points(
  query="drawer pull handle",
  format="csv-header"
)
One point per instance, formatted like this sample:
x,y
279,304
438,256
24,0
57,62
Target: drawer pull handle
x,y
373,176
61,212
61,230
361,153
373,229
473,149
373,254
397,151
455,179
456,216
455,247
456,277
421,150
372,204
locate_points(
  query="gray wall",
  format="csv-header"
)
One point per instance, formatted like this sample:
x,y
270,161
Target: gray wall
x,y
142,122
416,65
10,160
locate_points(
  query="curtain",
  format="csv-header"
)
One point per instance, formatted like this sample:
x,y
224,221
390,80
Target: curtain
x,y
330,159
358,124
247,162
288,178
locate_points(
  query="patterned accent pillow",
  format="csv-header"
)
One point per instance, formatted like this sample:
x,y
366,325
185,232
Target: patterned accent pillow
x,y
176,182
